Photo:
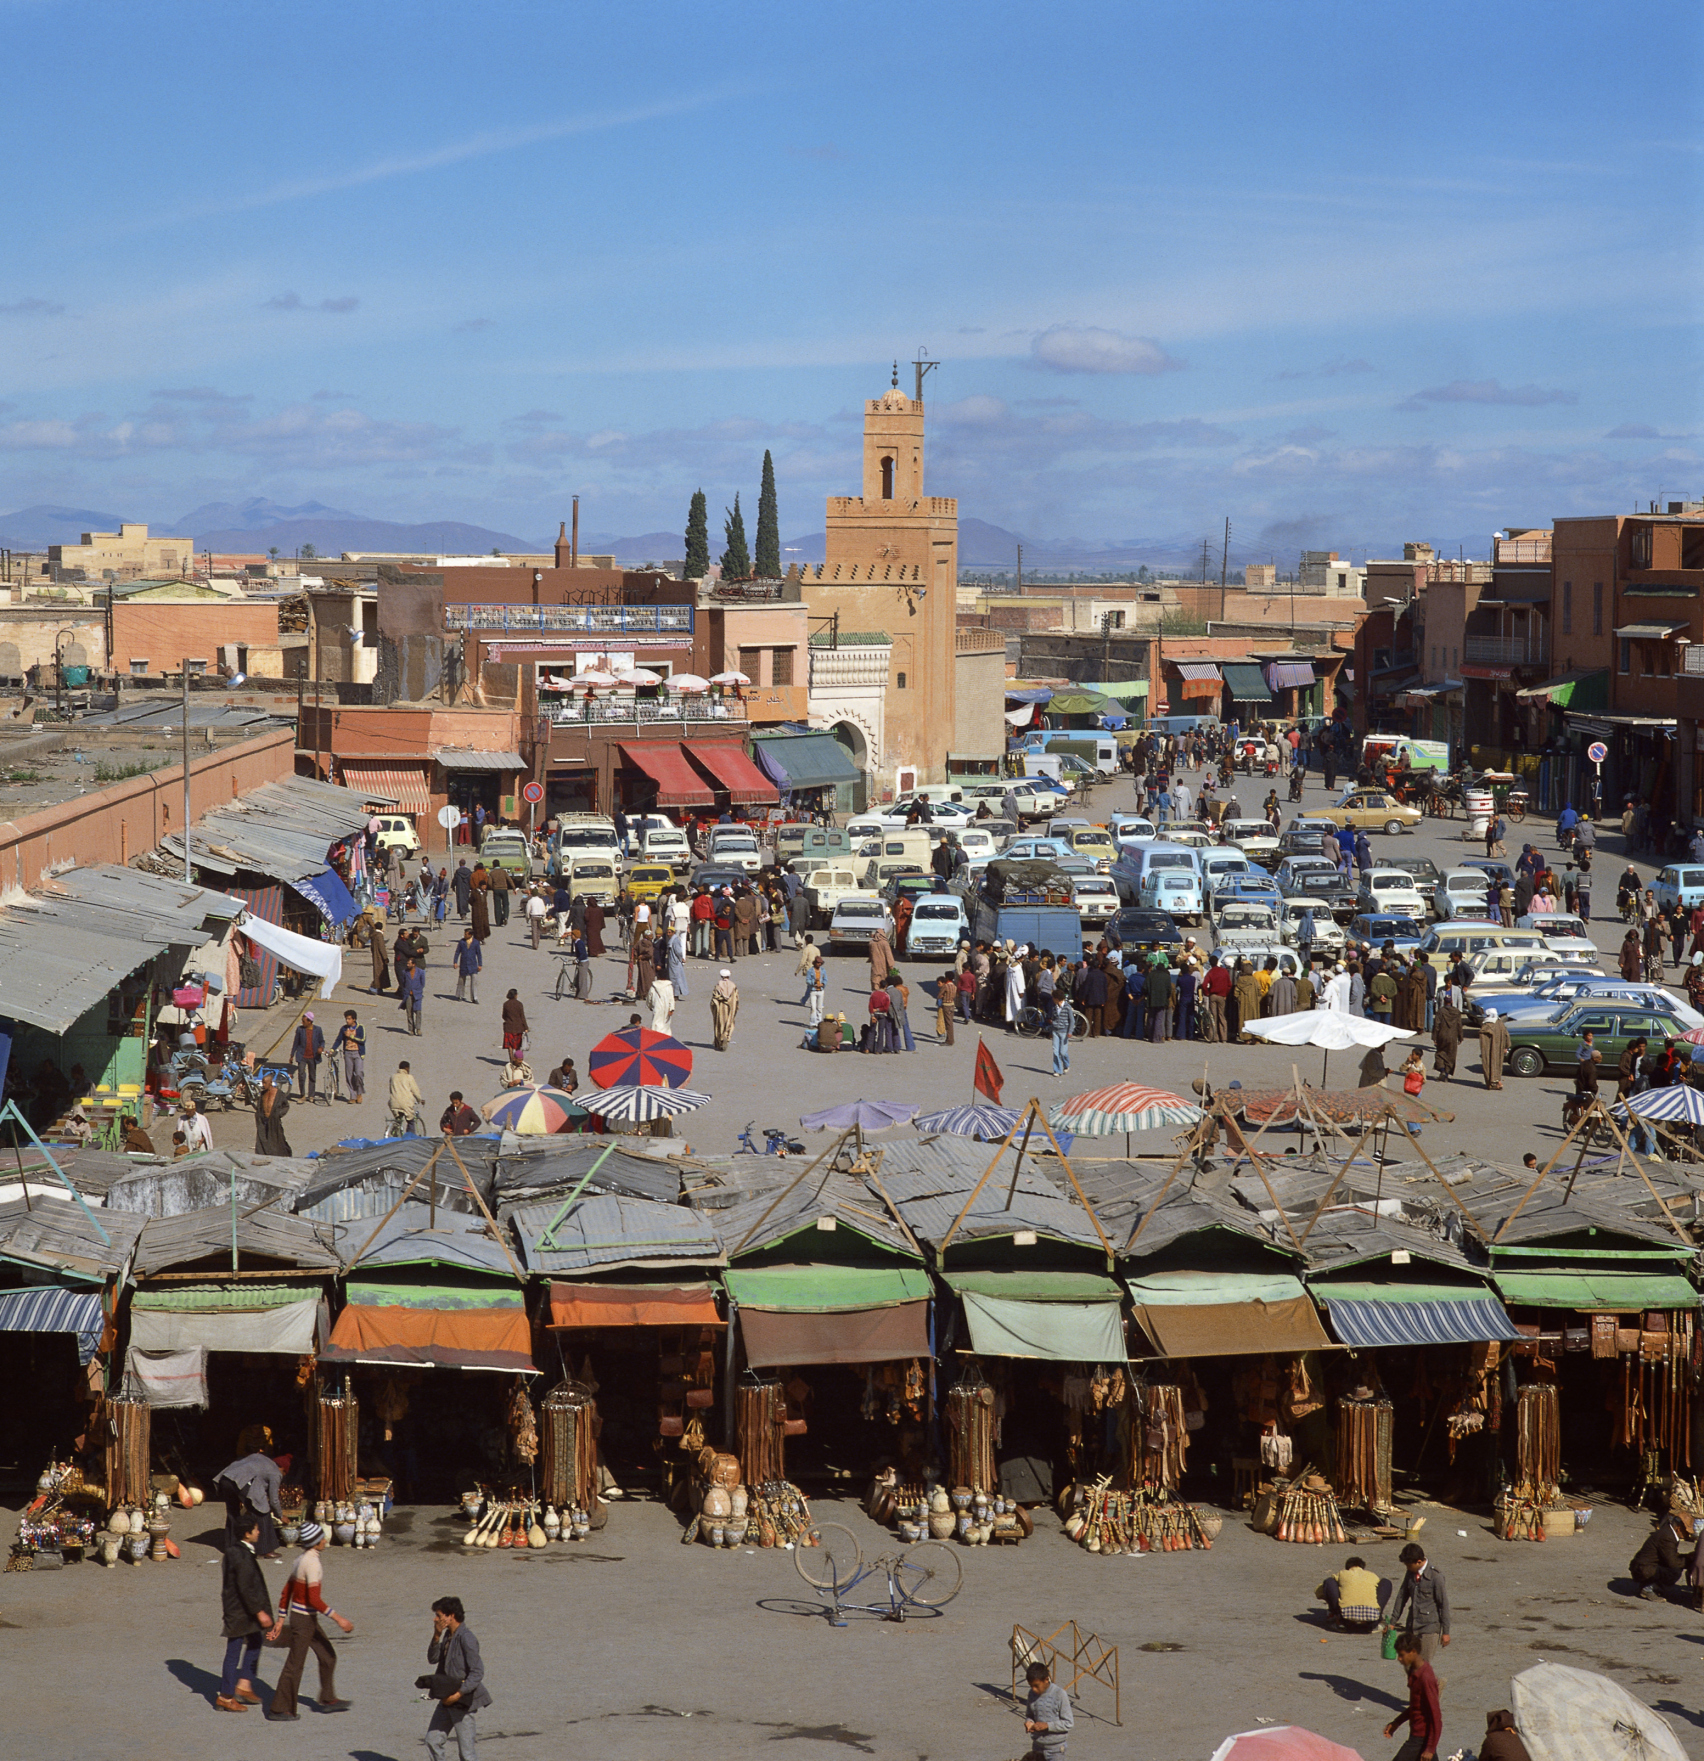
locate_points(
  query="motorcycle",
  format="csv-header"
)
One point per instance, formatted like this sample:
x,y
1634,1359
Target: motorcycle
x,y
775,1143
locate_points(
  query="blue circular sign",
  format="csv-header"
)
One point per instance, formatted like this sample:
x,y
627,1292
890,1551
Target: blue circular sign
x,y
1597,752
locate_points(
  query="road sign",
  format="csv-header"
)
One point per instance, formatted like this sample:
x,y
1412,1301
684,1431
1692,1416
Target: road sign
x,y
533,792
449,818
1597,752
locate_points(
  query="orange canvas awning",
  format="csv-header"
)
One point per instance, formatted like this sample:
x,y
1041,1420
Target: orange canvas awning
x,y
728,768
633,1305
451,1339
383,782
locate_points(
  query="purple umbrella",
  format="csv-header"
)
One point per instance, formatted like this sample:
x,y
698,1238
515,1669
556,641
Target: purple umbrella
x,y
861,1116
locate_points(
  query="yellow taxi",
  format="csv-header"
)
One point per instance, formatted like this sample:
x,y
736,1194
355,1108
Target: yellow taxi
x,y
648,880
1376,809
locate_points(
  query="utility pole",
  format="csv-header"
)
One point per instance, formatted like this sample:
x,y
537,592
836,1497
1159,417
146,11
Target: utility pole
x,y
188,860
1020,568
1224,564
923,365
1206,545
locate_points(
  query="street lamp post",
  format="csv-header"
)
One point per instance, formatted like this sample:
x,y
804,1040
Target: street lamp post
x,y
59,671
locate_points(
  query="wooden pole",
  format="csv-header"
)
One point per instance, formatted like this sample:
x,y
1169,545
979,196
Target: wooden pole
x,y
788,1190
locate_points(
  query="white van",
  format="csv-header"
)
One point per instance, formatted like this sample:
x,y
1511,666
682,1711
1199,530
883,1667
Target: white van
x,y
1137,861
1219,864
734,846
583,834
914,845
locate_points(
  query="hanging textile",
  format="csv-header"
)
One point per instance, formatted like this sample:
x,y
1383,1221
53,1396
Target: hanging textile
x,y
760,1410
1160,1439
129,1450
1364,1431
568,1465
1538,1443
970,1433
322,960
336,1427
172,1378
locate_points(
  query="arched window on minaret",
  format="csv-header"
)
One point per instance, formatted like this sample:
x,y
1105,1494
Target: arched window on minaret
x,y
887,479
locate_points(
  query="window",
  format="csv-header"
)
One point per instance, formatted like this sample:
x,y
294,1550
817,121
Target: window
x,y
1626,655
781,666
1597,610
899,682
887,479
1567,608
751,664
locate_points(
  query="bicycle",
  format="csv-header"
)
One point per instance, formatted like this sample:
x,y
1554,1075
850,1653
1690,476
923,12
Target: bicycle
x,y
564,973
413,1126
775,1143
926,1575
1032,1024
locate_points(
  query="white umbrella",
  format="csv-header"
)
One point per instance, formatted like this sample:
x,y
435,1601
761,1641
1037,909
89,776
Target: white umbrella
x,y
729,679
1567,1714
687,682
1332,1030
595,680
639,676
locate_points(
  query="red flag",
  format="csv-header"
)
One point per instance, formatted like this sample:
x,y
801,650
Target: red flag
x,y
989,1081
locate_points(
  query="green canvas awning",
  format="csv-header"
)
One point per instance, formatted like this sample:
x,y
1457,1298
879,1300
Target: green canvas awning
x,y
1192,1289
1620,1292
1077,703
442,1289
1124,690
1585,692
266,1317
805,761
826,1289
220,1298
1246,682
1064,1317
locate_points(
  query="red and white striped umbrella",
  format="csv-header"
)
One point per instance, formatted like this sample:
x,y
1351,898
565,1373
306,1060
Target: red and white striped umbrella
x,y
1124,1106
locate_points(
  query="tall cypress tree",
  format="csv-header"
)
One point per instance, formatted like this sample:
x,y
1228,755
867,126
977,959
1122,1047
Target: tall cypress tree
x,y
697,538
736,559
768,558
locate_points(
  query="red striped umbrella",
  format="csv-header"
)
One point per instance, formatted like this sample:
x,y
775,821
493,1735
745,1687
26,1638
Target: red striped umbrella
x,y
638,1055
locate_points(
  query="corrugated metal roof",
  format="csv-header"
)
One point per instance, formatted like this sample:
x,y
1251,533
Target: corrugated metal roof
x,y
167,717
171,1244
61,954
93,1172
557,1164
460,758
350,1184
170,1189
406,1239
929,1181
190,908
282,829
827,1195
55,1235
604,1230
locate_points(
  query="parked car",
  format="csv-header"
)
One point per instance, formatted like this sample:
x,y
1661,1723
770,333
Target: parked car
x,y
1245,923
908,884
937,927
978,842
508,846
646,880
1254,837
1177,891
718,874
1424,870
665,843
1681,885
1392,891
1092,843
1331,891
1328,936
1131,828
1257,954
1373,808
1138,926
1256,886
1030,849
1491,865
1375,929
396,832
735,846
1292,868
857,921
1462,893
1564,935
1555,1044
1553,997
1097,898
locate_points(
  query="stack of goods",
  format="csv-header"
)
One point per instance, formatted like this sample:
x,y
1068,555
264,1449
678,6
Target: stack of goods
x,y
1523,1511
1305,1511
1161,1437
1148,1520
1363,1473
1098,1416
60,1522
521,1523
569,1446
336,1429
129,1445
926,1511
1479,1406
971,1423
688,1384
351,1522
731,1514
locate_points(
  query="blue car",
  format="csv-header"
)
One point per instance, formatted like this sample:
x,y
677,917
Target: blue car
x,y
1377,928
1682,885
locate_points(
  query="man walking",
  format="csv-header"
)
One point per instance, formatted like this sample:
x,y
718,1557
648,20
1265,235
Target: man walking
x,y
306,1050
1047,1715
248,1618
469,958
381,955
1423,1595
500,884
1424,1720
299,1607
411,985
460,1673
1493,1049
536,908
461,884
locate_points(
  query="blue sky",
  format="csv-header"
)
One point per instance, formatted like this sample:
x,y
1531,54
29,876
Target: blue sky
x,y
1346,274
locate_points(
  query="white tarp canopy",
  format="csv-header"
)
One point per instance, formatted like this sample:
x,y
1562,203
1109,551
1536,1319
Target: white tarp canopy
x,y
324,960
287,1329
1568,1714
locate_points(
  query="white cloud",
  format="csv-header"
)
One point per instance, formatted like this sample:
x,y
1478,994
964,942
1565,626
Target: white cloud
x,y
1488,391
1074,348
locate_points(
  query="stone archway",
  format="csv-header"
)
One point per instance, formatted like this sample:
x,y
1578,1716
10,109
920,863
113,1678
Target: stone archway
x,y
849,735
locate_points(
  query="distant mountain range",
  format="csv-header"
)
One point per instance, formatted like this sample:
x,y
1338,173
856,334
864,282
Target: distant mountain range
x,y
255,526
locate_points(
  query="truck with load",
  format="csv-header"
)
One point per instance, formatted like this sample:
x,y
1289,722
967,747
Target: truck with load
x,y
1028,902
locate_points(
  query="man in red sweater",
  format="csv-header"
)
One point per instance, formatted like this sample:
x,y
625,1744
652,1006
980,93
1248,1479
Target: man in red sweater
x,y
1217,987
1425,1722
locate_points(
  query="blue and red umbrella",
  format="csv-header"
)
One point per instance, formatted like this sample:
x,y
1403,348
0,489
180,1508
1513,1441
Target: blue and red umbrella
x,y
637,1055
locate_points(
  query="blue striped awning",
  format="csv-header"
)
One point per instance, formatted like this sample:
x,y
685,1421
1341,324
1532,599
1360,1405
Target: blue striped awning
x,y
1418,1323
53,1309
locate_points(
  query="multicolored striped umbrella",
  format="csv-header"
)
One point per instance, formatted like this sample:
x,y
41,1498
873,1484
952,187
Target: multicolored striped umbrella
x,y
1124,1106
534,1111
639,1102
638,1055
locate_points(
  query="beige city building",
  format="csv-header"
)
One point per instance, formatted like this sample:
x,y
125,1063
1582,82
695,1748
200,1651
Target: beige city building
x,y
893,567
123,555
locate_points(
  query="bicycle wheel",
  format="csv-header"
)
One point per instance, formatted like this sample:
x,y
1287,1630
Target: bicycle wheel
x,y
1079,1024
928,1574
835,1564
1029,1021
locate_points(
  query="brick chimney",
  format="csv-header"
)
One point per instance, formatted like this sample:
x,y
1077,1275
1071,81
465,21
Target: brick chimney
x,y
562,547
